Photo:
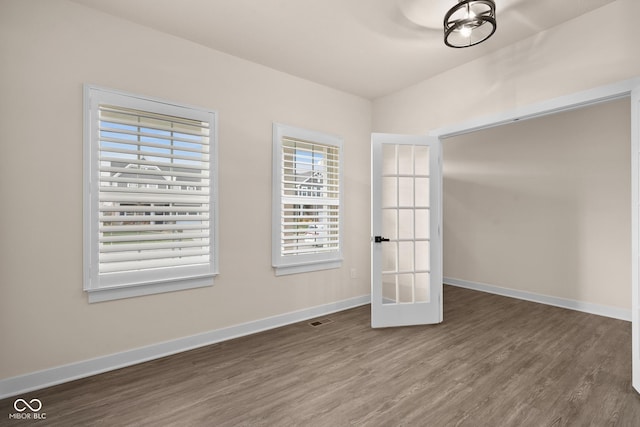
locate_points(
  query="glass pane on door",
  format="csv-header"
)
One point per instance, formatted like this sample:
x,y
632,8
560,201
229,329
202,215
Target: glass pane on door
x,y
389,289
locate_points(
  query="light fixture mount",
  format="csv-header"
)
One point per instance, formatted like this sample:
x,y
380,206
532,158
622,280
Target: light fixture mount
x,y
469,22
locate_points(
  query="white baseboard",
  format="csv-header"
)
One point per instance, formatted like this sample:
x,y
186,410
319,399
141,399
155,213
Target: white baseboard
x,y
586,307
61,374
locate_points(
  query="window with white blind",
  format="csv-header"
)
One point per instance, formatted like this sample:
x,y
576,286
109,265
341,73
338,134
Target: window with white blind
x,y
307,200
150,196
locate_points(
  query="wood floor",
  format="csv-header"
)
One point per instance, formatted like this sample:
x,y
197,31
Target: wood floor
x,y
495,361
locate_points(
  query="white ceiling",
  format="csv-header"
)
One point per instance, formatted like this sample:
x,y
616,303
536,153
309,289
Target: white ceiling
x,y
366,47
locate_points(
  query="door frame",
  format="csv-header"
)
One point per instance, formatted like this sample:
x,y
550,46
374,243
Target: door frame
x,y
624,89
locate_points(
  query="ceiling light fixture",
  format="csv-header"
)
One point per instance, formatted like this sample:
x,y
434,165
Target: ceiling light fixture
x,y
469,22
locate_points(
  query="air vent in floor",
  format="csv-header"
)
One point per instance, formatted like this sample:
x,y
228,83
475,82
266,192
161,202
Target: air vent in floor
x,y
320,322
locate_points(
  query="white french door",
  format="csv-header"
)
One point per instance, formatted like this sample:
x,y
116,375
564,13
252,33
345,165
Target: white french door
x,y
406,254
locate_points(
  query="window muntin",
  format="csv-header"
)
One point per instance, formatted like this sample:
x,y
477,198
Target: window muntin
x,y
151,193
308,199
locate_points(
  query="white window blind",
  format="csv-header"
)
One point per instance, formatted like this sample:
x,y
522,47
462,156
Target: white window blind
x,y
151,193
308,199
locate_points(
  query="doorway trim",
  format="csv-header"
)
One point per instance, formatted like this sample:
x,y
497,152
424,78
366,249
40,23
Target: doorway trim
x,y
623,89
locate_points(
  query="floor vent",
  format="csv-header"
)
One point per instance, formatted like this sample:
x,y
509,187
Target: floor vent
x,y
320,322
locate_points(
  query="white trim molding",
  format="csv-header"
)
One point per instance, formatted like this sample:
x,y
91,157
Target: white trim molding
x,y
61,374
635,232
551,106
586,307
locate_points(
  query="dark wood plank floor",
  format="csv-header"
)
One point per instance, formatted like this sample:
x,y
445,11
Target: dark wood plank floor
x,y
495,361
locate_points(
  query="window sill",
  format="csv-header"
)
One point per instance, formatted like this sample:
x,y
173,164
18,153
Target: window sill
x,y
306,268
110,294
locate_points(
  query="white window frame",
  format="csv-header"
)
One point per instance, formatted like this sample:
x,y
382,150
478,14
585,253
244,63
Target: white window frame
x,y
307,262
132,283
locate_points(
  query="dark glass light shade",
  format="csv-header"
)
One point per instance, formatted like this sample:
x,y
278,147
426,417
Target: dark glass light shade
x,y
469,22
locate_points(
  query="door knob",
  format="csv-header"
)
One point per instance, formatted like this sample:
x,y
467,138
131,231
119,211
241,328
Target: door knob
x,y
379,239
